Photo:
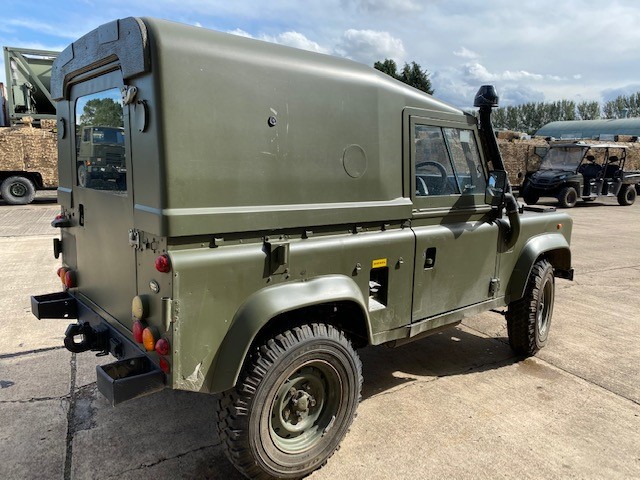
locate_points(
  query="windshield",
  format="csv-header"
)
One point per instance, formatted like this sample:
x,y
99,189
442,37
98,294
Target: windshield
x,y
562,158
108,135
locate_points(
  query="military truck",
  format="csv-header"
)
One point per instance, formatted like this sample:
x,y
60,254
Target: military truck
x,y
570,171
27,155
281,209
101,158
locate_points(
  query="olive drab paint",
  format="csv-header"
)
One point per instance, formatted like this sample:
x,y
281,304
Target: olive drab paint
x,y
281,184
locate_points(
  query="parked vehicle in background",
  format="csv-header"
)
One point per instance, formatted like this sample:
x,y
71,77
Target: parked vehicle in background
x,y
28,155
266,226
570,171
101,158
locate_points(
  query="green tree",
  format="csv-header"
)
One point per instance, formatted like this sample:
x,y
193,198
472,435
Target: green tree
x,y
102,111
412,74
588,110
389,67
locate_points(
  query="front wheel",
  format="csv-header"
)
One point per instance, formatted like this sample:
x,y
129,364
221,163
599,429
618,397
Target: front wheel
x,y
18,190
530,196
568,197
293,404
529,319
627,195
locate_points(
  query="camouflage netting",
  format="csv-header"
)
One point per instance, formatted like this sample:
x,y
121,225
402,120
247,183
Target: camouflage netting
x,y
29,149
519,156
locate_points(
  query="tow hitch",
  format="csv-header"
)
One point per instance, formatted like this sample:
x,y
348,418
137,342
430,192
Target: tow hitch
x,y
91,339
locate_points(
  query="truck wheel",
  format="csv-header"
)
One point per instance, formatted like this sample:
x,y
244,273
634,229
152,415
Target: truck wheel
x,y
529,196
529,319
18,190
627,195
568,197
293,404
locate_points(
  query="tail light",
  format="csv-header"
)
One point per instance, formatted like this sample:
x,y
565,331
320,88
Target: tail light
x,y
162,264
163,347
164,365
149,336
139,307
70,279
137,331
61,272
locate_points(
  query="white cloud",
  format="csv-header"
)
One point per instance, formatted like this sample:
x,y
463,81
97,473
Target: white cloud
x,y
396,6
368,46
291,39
298,40
466,53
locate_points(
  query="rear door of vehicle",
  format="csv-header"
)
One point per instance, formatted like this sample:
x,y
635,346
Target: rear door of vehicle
x,y
106,263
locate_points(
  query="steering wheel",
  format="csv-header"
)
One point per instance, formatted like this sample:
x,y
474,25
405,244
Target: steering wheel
x,y
439,188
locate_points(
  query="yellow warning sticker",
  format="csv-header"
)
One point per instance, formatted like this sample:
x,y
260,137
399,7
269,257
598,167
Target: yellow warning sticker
x,y
379,263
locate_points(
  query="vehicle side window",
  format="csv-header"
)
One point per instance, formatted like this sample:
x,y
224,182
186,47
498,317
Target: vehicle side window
x,y
466,160
100,161
433,170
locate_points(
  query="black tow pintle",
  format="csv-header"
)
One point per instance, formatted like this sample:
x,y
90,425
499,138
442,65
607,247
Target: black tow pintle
x,y
96,339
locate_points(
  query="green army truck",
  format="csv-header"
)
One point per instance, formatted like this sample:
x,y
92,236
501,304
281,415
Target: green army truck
x,y
280,209
100,157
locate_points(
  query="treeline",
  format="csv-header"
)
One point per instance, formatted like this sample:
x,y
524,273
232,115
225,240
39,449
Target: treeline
x,y
529,117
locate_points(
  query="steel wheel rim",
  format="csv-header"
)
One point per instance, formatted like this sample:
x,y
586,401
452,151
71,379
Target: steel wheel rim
x,y
544,308
305,405
18,190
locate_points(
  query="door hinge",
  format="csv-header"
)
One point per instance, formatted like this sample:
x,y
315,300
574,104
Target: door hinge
x,y
135,238
494,286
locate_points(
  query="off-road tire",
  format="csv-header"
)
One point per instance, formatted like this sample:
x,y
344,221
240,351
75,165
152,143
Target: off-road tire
x,y
255,417
627,195
529,319
568,197
17,190
529,196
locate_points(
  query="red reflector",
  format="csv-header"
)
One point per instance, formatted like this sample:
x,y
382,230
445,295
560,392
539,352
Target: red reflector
x,y
164,365
61,271
70,280
162,347
59,216
162,264
137,331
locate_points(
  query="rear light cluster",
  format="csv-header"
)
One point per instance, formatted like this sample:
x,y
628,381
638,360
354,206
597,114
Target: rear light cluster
x,y
149,336
68,277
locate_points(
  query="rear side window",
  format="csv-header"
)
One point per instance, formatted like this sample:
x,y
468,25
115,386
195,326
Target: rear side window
x,y
447,162
100,142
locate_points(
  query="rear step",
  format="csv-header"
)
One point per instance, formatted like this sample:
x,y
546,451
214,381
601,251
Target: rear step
x,y
128,379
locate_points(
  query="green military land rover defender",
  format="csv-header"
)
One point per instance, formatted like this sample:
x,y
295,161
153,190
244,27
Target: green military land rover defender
x,y
280,210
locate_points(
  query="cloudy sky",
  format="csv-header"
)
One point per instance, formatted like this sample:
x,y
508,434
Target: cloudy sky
x,y
532,51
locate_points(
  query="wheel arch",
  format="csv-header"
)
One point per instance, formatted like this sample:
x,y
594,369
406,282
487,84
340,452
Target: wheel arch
x,y
553,247
284,306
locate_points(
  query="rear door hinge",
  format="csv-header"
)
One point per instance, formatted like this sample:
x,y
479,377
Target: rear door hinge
x,y
494,286
135,239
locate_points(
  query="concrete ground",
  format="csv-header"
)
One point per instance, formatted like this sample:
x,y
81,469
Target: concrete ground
x,y
454,405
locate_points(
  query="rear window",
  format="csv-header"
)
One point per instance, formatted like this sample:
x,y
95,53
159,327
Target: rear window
x,y
100,142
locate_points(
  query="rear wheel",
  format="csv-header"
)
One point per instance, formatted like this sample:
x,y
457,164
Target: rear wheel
x,y
568,197
627,195
18,190
293,403
530,196
529,319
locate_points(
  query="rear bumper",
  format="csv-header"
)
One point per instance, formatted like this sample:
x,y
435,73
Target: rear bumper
x,y
133,375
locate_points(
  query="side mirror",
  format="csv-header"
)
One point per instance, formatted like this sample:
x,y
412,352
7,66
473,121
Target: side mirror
x,y
496,188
